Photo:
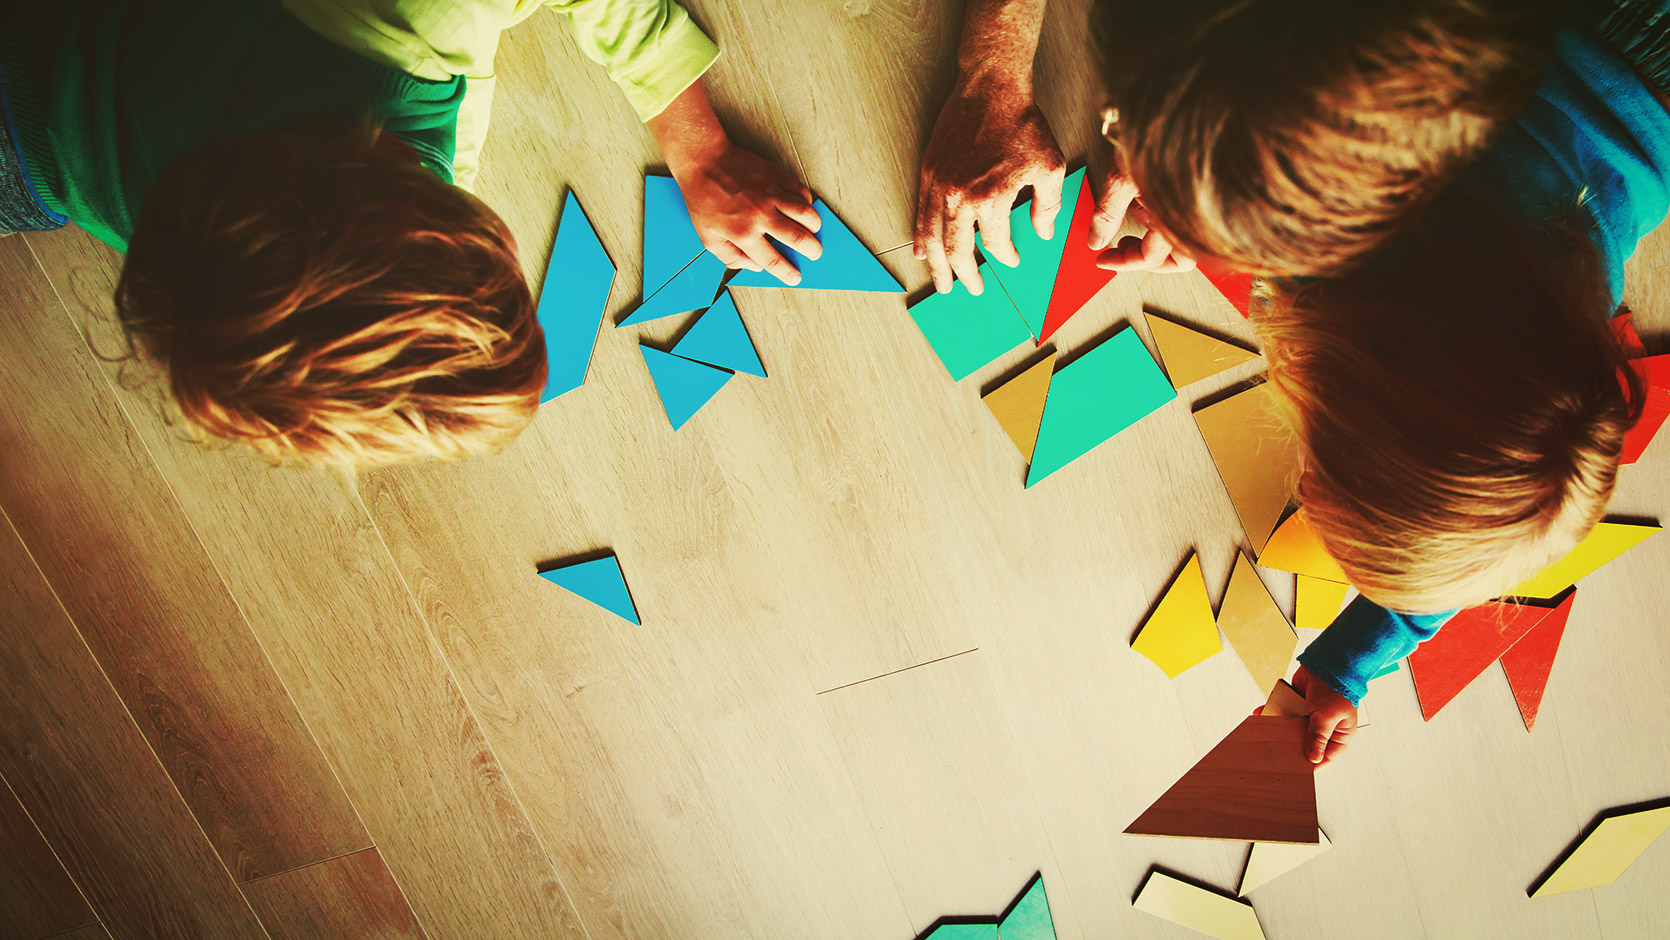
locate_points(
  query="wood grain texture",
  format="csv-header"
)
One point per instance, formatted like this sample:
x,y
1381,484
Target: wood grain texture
x,y
83,771
1256,785
37,896
351,896
90,932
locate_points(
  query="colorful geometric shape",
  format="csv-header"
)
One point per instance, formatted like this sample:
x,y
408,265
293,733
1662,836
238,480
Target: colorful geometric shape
x,y
693,288
1018,404
1602,856
962,932
684,386
1607,541
599,581
1294,547
1270,860
1256,628
966,331
1463,648
1655,409
1317,602
1029,917
1181,632
1256,455
719,338
571,300
1197,908
844,265
1235,286
1079,278
670,239
1031,283
1284,702
1190,356
1529,662
1099,394
1256,785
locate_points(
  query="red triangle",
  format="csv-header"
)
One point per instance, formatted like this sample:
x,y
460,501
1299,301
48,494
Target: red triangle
x,y
1530,660
1235,286
1077,279
1655,375
1257,785
1465,647
1623,327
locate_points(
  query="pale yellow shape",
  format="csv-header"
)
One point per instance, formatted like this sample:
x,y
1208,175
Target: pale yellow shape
x,y
1256,628
1317,602
1285,702
1190,355
1018,404
1606,542
1614,846
1294,547
1181,632
1270,860
1197,908
1257,457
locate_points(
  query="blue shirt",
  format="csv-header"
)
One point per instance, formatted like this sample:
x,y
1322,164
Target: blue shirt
x,y
1593,136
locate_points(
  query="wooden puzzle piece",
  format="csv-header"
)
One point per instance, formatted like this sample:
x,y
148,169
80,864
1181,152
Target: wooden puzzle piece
x,y
1029,917
691,288
967,331
719,339
1606,852
1529,662
1270,860
1607,541
1465,647
684,386
844,265
572,299
1031,283
1211,913
1181,632
670,239
957,931
1284,702
1256,785
1256,456
1255,627
599,581
1078,279
1097,395
1655,376
1317,602
1190,355
1018,404
1294,547
1235,286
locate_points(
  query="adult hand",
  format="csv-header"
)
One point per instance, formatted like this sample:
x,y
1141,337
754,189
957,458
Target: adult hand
x,y
989,143
1333,719
1150,252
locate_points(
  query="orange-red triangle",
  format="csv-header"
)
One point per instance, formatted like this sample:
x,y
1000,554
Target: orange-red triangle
x,y
1463,648
1623,327
1530,660
1655,375
1077,279
1257,785
1235,286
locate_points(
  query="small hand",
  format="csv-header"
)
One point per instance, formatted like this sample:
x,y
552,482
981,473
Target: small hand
x,y
1152,252
988,144
737,198
1333,719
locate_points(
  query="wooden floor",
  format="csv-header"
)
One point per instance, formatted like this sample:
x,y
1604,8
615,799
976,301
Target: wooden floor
x,y
877,681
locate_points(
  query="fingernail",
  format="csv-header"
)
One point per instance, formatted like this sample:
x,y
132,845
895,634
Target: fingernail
x,y
975,287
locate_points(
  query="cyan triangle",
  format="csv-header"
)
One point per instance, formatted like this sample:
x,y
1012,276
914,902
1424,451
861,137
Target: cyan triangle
x,y
598,581
690,289
720,339
684,386
1030,283
1030,918
845,264
572,299
1099,394
670,240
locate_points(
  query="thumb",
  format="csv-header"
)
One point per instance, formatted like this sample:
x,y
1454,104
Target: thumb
x,y
1111,206
1321,730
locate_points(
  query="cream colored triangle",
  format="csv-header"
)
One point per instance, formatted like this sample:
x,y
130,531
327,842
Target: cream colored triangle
x,y
1190,355
1018,404
1270,860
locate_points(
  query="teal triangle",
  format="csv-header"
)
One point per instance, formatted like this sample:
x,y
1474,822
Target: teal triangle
x,y
690,289
720,339
966,331
670,240
684,386
1030,918
1386,670
1030,283
598,581
844,265
1099,394
572,299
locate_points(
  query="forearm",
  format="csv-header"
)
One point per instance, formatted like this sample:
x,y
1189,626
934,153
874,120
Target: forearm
x,y
1362,640
688,130
1000,39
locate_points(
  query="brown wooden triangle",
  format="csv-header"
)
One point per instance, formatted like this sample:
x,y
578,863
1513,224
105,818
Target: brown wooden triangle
x,y
1257,785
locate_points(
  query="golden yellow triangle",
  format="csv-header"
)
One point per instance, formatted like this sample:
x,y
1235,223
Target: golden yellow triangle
x,y
1018,404
1190,355
1181,632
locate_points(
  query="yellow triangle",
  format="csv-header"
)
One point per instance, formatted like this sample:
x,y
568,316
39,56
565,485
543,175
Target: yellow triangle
x,y
1317,602
1018,404
1256,628
1181,631
1604,855
1294,547
1271,859
1189,355
1606,542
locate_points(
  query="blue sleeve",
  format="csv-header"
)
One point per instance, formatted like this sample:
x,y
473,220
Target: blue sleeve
x,y
1364,639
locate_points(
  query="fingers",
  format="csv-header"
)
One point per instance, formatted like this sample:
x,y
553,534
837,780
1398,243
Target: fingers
x,y
930,241
1322,729
1111,207
761,253
995,238
1339,739
803,213
1046,200
731,256
959,251
796,235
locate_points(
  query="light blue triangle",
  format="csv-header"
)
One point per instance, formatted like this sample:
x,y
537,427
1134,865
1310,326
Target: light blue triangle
x,y
690,289
684,386
720,339
1099,394
598,581
1030,918
571,301
1030,283
845,264
670,240
966,331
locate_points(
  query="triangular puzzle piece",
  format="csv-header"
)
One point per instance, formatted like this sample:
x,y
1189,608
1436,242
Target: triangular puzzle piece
x,y
1234,285
599,581
1607,541
690,289
1079,278
962,932
1623,327
967,331
1196,908
1190,355
1294,547
1181,632
1018,404
844,265
1270,860
1655,376
684,386
1030,283
718,338
1256,785
571,300
1317,602
1284,702
1529,662
1029,918
1606,852
1256,456
1256,628
1465,647
1097,395
670,239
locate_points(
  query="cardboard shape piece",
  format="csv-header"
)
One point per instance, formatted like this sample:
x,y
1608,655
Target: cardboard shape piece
x,y
1190,356
598,580
1018,404
1605,542
572,300
1529,662
684,386
1601,856
1079,279
1269,860
1031,283
1255,627
1093,398
1181,632
1465,647
967,331
844,265
1181,902
1256,785
1256,456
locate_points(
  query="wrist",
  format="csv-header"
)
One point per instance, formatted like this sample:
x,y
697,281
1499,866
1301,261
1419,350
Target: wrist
x,y
688,131
995,84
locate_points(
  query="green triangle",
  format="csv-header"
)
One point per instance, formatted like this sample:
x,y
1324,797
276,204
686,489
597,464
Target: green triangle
x,y
1030,918
1030,283
1094,397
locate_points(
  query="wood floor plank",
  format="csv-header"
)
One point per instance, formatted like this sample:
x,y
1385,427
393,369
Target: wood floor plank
x,y
90,932
351,896
84,772
105,528
37,896
318,588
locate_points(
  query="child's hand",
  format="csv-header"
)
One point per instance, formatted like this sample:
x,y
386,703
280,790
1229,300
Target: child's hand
x,y
1152,252
1333,719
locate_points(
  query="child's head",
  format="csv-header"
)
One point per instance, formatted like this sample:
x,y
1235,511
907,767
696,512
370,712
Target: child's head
x,y
328,300
1461,404
1291,137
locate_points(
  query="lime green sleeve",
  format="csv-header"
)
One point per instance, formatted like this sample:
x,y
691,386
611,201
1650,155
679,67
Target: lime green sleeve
x,y
651,48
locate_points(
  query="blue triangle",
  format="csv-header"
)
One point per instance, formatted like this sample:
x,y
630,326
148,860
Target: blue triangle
x,y
845,265
1030,283
598,581
684,386
720,339
572,299
670,240
690,289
